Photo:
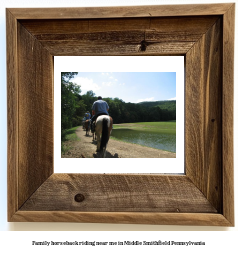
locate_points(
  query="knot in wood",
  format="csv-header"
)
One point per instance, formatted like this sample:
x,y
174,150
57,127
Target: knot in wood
x,y
143,45
79,198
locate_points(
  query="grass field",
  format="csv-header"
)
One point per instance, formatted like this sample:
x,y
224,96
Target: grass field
x,y
157,127
69,135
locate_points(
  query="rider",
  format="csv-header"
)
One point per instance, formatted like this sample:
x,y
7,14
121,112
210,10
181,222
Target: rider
x,y
87,115
100,107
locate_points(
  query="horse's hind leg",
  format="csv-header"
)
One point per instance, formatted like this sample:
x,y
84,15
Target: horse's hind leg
x,y
94,136
98,142
104,152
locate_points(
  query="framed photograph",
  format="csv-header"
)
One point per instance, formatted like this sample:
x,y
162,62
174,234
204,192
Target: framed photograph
x,y
203,195
142,131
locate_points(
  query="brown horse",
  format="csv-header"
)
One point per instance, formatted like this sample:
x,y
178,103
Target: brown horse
x,y
103,131
87,127
83,124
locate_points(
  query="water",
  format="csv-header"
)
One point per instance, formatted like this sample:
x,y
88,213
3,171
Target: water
x,y
161,141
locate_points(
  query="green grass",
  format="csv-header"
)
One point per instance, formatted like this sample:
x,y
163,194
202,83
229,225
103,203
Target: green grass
x,y
68,135
158,127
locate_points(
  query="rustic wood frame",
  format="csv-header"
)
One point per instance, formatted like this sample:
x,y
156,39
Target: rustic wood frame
x,y
204,34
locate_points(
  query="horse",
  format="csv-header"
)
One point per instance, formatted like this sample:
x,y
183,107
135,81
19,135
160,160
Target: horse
x,y
83,124
103,131
87,126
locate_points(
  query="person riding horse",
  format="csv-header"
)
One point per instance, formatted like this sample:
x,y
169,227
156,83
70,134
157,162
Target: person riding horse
x,y
100,107
101,125
87,115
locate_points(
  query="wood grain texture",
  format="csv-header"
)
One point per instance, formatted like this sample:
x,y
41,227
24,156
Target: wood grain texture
x,y
190,219
120,11
174,36
227,113
204,196
203,115
59,48
189,26
35,114
119,193
12,116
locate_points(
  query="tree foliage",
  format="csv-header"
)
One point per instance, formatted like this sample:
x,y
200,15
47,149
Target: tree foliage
x,y
66,76
69,92
123,112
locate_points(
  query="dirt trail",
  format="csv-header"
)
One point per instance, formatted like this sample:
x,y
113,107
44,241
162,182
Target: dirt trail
x,y
86,148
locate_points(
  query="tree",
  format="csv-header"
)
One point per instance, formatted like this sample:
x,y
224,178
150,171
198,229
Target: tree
x,y
80,110
66,76
69,92
89,99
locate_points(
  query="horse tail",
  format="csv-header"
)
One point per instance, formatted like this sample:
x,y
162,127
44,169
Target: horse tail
x,y
104,138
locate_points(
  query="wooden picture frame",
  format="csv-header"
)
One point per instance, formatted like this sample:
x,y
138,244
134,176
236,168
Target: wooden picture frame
x,y
204,34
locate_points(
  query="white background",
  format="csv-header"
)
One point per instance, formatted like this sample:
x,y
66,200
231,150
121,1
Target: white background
x,y
120,64
216,242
